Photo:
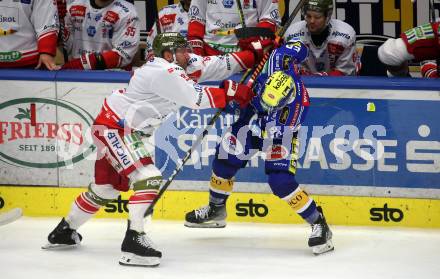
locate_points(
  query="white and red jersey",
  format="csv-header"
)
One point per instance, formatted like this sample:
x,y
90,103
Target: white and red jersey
x,y
27,28
423,42
209,20
112,31
337,54
172,18
159,88
420,44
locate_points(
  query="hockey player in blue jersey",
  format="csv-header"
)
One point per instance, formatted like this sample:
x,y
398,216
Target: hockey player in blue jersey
x,y
269,124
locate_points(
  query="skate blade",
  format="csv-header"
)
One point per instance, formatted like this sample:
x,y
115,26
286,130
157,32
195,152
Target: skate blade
x,y
323,248
50,246
130,259
211,224
10,216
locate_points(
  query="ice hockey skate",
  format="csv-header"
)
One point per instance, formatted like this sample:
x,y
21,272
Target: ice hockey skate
x,y
209,216
62,237
320,239
138,250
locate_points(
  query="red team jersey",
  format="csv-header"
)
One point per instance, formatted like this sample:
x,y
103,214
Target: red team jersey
x,y
209,20
424,43
112,31
27,28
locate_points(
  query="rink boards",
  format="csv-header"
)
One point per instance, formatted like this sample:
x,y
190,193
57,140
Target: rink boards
x,y
242,207
351,155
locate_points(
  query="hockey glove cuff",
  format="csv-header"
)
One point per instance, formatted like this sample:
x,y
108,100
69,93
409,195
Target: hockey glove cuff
x,y
258,45
197,46
237,92
92,61
429,70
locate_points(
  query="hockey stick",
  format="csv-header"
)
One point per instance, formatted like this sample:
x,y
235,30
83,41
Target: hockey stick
x,y
232,31
241,14
277,41
219,112
243,25
157,21
62,23
10,216
245,31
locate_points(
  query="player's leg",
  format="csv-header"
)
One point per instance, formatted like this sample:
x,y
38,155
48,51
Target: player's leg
x,y
285,187
145,179
214,214
281,178
99,193
137,248
232,153
83,208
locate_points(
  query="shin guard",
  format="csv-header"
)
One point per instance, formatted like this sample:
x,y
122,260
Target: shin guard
x,y
220,189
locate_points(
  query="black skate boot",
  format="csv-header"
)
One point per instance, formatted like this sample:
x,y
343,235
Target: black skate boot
x,y
63,236
320,239
209,216
138,250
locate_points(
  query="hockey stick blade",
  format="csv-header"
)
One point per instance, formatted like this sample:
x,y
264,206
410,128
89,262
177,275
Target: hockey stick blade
x,y
246,32
50,246
10,216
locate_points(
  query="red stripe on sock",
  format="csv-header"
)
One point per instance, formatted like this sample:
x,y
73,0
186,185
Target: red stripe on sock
x,y
142,198
86,205
141,202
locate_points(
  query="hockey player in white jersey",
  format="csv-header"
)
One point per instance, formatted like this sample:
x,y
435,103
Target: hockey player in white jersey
x,y
331,42
419,44
100,34
155,91
210,22
172,18
28,34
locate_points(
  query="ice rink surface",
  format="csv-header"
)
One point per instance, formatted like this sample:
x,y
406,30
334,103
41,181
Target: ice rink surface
x,y
238,251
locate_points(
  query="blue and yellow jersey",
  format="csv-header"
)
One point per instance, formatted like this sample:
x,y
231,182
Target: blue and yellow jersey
x,y
290,115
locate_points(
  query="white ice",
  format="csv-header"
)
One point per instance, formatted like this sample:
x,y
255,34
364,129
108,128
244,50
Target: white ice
x,y
238,251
